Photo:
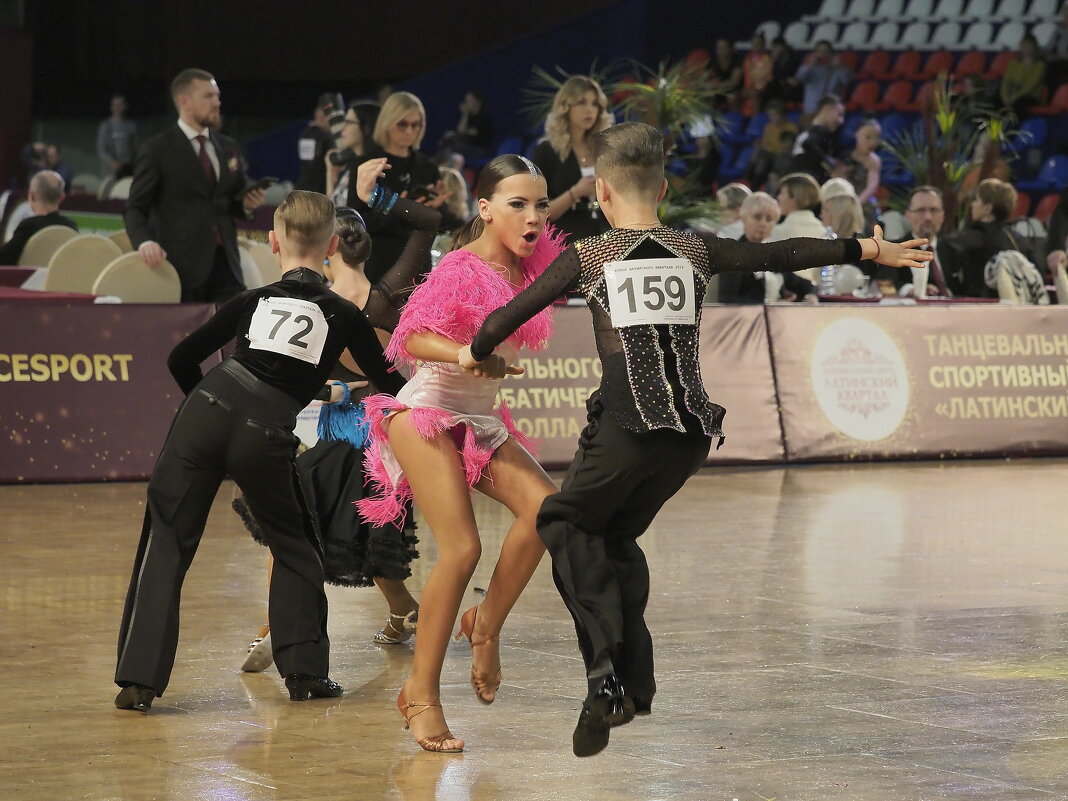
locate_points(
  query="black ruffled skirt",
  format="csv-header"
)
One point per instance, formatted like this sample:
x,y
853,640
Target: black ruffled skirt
x,y
332,479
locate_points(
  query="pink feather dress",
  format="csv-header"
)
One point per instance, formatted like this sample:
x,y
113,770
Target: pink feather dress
x,y
454,301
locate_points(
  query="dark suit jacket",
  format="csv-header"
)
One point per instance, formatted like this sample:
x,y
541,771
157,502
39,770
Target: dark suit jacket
x,y
172,203
10,252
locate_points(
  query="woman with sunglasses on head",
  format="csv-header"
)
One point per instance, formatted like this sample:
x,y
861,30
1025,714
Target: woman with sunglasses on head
x,y
441,436
397,136
358,554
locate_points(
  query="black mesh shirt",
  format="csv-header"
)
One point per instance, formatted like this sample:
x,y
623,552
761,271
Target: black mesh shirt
x,y
651,373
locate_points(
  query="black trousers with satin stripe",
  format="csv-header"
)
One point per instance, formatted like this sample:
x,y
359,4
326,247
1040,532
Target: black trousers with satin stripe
x,y
615,486
231,424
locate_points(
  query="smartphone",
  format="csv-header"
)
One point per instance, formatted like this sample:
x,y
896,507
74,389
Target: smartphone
x,y
262,183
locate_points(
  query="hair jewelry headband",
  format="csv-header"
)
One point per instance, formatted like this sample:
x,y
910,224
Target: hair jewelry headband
x,y
534,171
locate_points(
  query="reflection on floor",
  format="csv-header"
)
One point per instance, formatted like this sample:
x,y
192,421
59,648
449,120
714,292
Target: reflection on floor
x,y
824,632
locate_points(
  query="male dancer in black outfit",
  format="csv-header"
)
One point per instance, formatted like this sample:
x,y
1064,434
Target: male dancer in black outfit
x,y
238,421
650,424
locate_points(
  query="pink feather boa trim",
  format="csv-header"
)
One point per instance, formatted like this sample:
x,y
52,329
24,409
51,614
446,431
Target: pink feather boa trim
x,y
462,290
388,505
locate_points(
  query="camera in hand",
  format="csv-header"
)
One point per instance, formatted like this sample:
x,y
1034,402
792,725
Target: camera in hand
x,y
339,158
333,106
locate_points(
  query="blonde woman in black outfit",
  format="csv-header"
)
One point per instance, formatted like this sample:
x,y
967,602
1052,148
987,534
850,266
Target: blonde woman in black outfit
x,y
397,136
564,157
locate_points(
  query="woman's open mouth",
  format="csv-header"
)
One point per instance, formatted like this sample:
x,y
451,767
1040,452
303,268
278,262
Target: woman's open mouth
x,y
531,237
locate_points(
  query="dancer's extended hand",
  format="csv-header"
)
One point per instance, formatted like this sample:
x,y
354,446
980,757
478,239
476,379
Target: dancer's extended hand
x,y
493,366
895,254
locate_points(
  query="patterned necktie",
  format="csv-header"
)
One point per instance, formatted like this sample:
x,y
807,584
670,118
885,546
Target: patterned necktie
x,y
205,162
936,272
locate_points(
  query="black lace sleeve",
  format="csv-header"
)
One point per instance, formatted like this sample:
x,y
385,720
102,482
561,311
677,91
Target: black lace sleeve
x,y
392,290
559,278
787,256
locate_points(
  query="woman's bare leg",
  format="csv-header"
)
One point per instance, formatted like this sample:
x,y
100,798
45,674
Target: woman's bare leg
x,y
435,473
516,480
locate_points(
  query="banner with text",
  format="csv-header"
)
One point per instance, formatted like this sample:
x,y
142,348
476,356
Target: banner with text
x,y
899,382
85,394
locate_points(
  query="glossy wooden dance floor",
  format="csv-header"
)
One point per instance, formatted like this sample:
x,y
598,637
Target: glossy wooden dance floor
x,y
855,633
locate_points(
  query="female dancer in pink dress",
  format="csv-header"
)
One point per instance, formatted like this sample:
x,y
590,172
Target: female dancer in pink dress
x,y
440,436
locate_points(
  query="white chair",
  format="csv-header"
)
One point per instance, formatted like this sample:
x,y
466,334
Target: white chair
x,y
1042,10
18,214
796,35
890,10
829,9
74,267
1009,10
120,190
854,36
42,245
277,193
824,31
978,36
769,29
950,10
1044,33
946,36
916,35
122,239
129,278
266,263
979,10
86,182
860,10
1009,36
884,37
1060,282
103,191
919,10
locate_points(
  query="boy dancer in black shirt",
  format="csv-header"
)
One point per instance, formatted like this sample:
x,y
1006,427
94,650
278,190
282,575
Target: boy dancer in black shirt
x,y
238,421
650,425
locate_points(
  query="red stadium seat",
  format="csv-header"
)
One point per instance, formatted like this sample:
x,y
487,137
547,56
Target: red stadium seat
x,y
1023,205
896,97
1057,105
971,63
924,96
999,64
1045,207
865,97
848,59
875,65
941,61
906,66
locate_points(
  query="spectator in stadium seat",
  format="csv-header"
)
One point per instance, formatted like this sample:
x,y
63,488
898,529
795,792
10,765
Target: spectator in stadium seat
x,y
864,167
730,199
1024,79
816,151
758,70
799,201
925,215
1057,243
784,85
759,213
116,141
822,74
46,194
1057,53
986,233
54,162
770,144
725,70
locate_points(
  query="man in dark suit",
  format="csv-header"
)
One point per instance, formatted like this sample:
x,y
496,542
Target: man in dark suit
x,y
191,179
46,193
925,214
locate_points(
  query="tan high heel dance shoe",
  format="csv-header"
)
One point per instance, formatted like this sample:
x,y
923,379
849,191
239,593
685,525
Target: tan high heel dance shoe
x,y
435,744
484,685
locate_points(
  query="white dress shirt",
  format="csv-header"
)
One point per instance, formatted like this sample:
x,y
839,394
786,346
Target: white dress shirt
x,y
191,134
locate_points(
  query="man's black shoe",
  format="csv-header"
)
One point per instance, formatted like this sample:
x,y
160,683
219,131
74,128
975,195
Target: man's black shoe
x,y
601,711
302,687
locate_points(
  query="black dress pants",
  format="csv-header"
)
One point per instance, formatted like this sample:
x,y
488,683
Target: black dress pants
x,y
615,486
221,284
231,424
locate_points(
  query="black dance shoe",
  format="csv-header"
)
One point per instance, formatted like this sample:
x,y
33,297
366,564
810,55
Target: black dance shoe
x,y
643,704
602,709
301,687
136,697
